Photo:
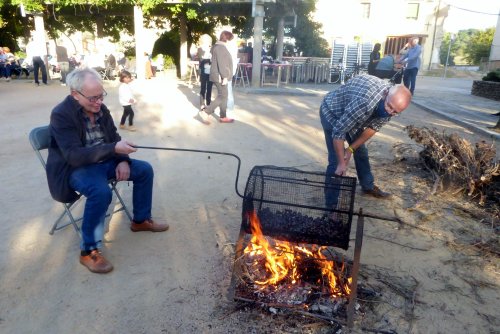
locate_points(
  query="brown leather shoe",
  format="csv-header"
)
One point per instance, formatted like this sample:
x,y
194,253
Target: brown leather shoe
x,y
148,225
96,263
377,193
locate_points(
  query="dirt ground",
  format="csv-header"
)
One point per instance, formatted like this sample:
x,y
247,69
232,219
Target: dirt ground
x,y
431,273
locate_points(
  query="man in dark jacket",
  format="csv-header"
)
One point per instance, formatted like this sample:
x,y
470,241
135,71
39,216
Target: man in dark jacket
x,y
85,152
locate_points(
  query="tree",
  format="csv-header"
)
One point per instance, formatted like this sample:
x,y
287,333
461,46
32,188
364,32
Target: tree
x,y
12,25
443,51
479,46
307,33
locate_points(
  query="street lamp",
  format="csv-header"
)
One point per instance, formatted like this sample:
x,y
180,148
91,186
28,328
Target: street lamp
x,y
452,38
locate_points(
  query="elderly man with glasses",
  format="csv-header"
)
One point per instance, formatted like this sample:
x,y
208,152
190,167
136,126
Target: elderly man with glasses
x,y
85,152
354,113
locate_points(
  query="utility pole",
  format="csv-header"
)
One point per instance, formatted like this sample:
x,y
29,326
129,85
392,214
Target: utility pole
x,y
434,35
258,25
452,39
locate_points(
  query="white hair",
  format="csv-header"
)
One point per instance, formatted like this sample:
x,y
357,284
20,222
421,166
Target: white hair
x,y
76,78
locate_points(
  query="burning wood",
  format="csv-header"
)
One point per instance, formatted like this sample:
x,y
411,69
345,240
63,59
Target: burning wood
x,y
280,273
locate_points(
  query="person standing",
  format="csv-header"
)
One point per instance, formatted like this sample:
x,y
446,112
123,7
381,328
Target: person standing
x,y
374,59
221,71
86,152
232,47
36,51
126,98
412,62
63,62
148,68
354,113
204,58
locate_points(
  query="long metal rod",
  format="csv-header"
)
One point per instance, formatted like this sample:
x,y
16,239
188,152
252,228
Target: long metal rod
x,y
395,219
200,151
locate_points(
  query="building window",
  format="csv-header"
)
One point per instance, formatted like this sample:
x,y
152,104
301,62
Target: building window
x,y
365,10
412,11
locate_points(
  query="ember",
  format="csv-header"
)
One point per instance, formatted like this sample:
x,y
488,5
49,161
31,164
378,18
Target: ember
x,y
278,272
295,226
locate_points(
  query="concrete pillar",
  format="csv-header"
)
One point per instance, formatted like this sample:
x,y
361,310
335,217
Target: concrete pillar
x,y
39,38
183,51
140,48
279,38
495,47
258,25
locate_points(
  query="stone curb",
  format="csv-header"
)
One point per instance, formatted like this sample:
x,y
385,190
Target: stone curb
x,y
470,126
281,91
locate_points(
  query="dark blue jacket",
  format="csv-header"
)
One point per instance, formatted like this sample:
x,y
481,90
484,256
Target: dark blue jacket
x,y
67,149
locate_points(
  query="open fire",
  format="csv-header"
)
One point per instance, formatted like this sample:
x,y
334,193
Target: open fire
x,y
281,273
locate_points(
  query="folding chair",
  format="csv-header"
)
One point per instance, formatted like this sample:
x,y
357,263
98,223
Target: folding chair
x,y
40,140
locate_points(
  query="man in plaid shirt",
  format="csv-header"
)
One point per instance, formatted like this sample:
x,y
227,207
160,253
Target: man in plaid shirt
x,y
354,113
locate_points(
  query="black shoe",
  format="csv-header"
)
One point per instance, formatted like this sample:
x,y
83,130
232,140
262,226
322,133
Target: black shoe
x,y
377,193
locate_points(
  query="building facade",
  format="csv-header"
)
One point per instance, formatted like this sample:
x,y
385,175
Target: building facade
x,y
389,22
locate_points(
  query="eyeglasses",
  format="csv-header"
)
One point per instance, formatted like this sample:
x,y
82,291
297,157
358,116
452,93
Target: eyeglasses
x,y
94,99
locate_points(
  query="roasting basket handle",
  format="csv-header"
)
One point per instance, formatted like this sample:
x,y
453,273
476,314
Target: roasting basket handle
x,y
200,151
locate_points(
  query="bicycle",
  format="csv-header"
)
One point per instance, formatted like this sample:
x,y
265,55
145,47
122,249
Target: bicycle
x,y
397,78
337,73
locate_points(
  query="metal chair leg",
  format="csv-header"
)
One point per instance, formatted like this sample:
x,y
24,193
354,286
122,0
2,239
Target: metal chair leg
x,y
122,203
72,220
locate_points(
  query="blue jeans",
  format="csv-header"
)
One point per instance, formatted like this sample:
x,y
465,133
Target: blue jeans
x,y
410,78
92,182
361,161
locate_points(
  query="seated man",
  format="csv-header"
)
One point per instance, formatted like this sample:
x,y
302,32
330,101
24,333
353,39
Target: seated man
x,y
85,152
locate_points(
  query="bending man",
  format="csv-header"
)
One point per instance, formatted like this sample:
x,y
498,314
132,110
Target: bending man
x,y
354,113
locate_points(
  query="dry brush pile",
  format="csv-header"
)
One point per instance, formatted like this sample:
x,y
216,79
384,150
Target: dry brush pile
x,y
456,164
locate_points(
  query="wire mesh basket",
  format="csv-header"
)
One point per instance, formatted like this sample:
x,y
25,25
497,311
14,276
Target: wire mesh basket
x,y
299,206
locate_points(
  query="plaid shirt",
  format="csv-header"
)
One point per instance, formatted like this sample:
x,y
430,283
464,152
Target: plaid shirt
x,y
93,134
350,109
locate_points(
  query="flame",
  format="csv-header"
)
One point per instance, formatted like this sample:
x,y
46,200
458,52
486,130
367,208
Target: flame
x,y
282,261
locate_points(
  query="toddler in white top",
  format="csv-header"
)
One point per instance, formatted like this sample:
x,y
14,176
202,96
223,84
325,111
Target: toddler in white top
x,y
126,98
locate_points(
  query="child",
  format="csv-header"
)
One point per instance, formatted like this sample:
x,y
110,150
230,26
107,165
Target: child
x,y
126,100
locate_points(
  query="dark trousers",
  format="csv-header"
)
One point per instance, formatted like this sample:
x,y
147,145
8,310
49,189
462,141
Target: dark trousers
x,y
410,78
205,90
220,101
361,161
127,112
6,70
64,68
39,64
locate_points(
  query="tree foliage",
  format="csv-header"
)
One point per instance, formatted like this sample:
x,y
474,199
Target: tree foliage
x,y
110,18
469,44
479,46
307,33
